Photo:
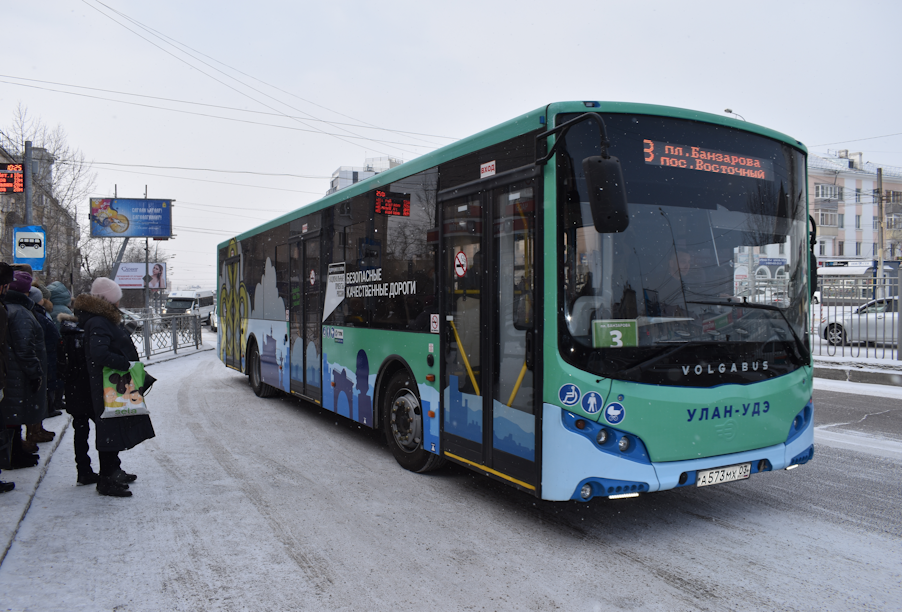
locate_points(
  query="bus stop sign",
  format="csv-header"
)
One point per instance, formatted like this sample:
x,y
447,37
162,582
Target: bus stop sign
x,y
30,246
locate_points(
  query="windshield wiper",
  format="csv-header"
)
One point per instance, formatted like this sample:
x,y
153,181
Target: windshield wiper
x,y
647,363
803,350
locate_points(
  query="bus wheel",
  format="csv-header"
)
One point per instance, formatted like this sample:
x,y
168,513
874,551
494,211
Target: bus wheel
x,y
402,420
261,389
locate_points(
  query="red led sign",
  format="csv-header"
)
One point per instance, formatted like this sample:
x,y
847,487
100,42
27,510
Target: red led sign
x,y
393,204
707,160
12,179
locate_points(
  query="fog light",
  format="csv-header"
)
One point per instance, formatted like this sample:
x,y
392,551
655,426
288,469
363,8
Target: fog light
x,y
602,436
623,444
586,491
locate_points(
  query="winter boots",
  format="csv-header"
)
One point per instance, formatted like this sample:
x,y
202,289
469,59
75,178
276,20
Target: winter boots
x,y
86,477
37,434
108,486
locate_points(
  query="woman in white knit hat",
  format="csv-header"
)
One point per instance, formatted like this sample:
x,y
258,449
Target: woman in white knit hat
x,y
108,344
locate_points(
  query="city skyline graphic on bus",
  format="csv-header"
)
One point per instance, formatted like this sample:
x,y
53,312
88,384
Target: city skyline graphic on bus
x,y
513,431
314,373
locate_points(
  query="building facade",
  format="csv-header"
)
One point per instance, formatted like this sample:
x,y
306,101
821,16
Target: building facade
x,y
346,176
843,194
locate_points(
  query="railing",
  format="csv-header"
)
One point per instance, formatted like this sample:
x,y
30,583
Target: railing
x,y
155,334
856,318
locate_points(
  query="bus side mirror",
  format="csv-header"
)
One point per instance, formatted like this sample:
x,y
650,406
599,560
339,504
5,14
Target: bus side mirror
x,y
607,194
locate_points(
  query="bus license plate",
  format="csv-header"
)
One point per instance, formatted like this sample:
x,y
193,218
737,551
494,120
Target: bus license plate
x,y
724,474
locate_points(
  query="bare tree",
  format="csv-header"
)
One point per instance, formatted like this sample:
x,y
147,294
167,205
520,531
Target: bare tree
x,y
63,181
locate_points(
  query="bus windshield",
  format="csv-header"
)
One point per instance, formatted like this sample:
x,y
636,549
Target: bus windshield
x,y
707,284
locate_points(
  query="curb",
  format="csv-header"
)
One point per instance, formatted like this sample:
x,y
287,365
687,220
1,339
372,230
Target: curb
x,y
859,375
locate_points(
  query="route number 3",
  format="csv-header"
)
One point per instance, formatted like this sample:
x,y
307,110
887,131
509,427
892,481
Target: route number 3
x,y
615,333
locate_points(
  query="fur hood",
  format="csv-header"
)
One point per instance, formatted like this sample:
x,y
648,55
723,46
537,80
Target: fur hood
x,y
67,317
98,306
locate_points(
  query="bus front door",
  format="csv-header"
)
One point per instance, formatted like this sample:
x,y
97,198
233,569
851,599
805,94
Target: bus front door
x,y
305,316
489,392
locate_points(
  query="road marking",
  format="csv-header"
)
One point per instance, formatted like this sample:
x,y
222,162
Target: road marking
x,y
881,447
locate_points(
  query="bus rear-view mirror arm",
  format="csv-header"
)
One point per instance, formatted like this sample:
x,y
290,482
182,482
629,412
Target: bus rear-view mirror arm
x,y
604,178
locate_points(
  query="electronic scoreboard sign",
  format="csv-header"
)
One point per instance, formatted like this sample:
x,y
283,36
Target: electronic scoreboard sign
x,y
12,178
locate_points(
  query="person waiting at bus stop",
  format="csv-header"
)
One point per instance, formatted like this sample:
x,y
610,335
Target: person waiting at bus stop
x,y
25,396
73,367
108,344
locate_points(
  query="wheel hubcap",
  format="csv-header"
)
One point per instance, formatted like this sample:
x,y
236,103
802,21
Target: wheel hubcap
x,y
406,421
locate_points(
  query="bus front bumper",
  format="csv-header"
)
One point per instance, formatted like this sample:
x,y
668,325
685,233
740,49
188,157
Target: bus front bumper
x,y
574,467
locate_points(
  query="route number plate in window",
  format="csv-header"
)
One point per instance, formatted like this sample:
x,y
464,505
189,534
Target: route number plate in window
x,y
724,474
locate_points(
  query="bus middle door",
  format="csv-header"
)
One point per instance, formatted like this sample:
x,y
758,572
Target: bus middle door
x,y
305,317
488,386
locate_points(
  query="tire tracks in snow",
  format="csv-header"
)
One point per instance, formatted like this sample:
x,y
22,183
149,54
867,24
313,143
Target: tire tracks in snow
x,y
194,407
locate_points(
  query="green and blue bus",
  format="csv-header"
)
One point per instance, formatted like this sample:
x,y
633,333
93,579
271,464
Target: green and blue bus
x,y
565,302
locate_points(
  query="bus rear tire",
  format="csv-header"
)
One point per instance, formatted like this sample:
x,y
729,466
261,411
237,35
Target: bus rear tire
x,y
261,389
402,421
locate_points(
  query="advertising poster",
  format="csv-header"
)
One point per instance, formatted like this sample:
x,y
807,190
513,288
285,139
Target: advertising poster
x,y
130,218
131,275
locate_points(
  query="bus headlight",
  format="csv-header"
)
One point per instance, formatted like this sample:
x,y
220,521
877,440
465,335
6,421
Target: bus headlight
x,y
623,444
602,436
586,491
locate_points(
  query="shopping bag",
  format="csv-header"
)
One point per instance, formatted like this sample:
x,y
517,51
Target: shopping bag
x,y
123,392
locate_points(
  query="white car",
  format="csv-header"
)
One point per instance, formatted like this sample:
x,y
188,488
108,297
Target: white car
x,y
875,321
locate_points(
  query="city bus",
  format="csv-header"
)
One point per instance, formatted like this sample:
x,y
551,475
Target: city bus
x,y
560,302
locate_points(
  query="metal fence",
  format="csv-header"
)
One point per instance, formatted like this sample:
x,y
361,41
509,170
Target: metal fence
x,y
154,334
856,317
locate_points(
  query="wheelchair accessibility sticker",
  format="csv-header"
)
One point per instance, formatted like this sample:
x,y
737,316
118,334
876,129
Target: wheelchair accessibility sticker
x,y
569,394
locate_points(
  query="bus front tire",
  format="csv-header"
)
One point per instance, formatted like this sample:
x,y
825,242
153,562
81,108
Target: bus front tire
x,y
402,421
261,389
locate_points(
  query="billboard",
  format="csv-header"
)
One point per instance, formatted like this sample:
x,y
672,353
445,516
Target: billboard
x,y
131,275
130,218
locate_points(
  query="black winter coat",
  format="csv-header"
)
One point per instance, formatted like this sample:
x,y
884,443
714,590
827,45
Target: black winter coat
x,y
4,322
73,368
26,361
109,345
51,344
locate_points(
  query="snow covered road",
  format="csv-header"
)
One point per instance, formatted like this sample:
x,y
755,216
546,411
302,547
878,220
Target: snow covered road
x,y
250,504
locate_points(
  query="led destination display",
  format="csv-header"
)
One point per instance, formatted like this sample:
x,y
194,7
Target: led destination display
x,y
707,160
392,204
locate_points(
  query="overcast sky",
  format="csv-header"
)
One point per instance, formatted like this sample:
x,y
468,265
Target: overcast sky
x,y
426,72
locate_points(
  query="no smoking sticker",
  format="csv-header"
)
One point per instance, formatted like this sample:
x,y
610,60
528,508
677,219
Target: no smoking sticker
x,y
460,264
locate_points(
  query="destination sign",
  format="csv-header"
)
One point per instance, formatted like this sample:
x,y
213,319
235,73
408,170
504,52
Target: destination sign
x,y
392,204
707,160
12,179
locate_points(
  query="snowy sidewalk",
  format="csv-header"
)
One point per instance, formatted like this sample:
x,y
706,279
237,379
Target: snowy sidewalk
x,y
15,504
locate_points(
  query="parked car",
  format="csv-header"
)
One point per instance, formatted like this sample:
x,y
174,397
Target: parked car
x,y
214,320
816,298
875,321
134,321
